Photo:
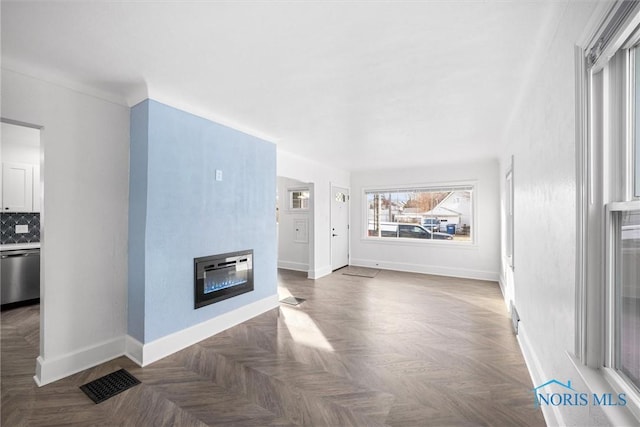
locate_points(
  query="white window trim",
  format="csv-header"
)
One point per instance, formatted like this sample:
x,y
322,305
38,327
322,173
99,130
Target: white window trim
x,y
473,243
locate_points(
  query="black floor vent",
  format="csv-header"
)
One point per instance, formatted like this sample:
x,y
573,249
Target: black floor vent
x,y
108,386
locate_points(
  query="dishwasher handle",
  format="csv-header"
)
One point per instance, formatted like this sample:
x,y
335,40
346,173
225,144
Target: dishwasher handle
x,y
19,254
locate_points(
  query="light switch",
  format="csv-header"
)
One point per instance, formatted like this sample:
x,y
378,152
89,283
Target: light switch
x,y
218,175
21,229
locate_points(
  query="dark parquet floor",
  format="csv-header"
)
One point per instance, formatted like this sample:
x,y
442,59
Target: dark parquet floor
x,y
399,349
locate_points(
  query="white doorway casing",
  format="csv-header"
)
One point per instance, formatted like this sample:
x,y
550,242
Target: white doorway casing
x,y
339,227
320,177
294,234
83,304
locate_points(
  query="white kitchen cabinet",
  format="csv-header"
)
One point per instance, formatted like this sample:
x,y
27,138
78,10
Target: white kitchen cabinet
x,y
17,187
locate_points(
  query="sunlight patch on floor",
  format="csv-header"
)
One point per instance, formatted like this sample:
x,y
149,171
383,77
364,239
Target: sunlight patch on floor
x,y
303,329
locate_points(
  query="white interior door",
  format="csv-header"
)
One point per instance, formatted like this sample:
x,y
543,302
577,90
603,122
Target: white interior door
x,y
17,187
339,227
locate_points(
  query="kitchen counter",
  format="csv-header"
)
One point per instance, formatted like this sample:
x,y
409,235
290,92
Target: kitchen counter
x,y
17,246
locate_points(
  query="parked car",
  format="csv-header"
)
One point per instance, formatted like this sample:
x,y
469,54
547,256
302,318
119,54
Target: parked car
x,y
419,232
431,224
414,231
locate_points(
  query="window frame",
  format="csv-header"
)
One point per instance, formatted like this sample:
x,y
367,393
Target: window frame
x,y
605,168
470,185
291,191
612,265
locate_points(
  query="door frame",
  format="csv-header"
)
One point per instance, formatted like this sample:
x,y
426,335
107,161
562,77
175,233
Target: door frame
x,y
41,196
331,245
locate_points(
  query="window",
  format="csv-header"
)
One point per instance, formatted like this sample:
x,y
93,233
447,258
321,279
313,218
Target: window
x,y
608,255
623,225
626,247
299,199
438,213
622,217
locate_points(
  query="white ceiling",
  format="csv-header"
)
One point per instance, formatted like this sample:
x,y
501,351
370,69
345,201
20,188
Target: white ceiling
x,y
357,84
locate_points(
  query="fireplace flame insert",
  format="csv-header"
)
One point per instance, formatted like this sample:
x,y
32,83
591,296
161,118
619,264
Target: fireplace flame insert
x,y
218,277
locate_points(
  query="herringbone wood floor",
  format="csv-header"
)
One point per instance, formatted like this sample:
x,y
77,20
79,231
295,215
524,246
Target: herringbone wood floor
x,y
399,349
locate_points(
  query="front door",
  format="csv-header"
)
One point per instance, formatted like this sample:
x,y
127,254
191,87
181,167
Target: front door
x,y
339,227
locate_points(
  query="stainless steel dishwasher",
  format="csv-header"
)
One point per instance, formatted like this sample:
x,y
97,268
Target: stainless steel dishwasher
x,y
20,275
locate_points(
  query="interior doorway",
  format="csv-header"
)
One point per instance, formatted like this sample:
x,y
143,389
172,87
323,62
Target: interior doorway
x,y
22,215
295,224
339,227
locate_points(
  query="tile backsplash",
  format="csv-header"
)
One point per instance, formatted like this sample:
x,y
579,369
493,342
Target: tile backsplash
x,y
8,222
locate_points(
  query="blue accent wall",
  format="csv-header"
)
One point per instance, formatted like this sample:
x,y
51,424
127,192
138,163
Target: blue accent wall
x,y
180,212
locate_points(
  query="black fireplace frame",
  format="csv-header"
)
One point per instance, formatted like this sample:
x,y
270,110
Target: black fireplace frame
x,y
240,260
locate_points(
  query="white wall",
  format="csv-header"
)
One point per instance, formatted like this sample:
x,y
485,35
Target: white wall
x,y
292,254
322,177
84,241
480,260
541,138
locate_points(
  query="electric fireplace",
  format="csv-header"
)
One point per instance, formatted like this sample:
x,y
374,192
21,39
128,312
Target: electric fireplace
x,y
223,276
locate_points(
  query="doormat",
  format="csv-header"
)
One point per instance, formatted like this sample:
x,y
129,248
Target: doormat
x,y
361,271
108,386
292,300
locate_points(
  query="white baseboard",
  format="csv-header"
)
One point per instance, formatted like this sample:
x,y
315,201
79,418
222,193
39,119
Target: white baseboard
x,y
50,370
320,272
133,349
428,269
295,266
144,354
552,415
503,289
502,284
